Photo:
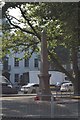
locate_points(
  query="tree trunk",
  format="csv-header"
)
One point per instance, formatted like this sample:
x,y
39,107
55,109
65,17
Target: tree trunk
x,y
61,67
76,71
75,80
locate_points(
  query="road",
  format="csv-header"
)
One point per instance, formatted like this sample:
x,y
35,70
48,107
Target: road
x,y
26,106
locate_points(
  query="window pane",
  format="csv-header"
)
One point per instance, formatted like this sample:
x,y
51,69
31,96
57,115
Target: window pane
x,y
16,77
26,62
16,62
35,62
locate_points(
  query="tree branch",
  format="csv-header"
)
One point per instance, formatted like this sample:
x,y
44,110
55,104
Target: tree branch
x,y
16,26
60,66
28,21
15,18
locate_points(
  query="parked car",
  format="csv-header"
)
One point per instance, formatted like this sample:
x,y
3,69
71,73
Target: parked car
x,y
58,84
6,86
67,87
30,88
67,81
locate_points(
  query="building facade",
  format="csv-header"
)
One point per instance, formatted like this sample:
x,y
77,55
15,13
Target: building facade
x,y
19,69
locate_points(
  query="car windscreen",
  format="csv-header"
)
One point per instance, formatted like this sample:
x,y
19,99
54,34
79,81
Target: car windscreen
x,y
30,85
4,80
36,85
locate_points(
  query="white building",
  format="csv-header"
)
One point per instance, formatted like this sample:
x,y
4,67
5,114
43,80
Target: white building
x,y
17,68
1,67
29,69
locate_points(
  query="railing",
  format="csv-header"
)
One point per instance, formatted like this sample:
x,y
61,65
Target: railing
x,y
63,94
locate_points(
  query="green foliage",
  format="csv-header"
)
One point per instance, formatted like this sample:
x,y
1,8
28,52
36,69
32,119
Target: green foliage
x,y
61,23
59,19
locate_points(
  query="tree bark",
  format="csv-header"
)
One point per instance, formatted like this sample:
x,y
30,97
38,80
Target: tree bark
x,y
56,62
76,70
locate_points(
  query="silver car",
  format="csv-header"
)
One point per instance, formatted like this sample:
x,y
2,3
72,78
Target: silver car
x,y
30,88
67,87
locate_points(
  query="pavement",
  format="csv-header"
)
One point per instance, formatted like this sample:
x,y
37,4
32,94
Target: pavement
x,y
71,96
17,95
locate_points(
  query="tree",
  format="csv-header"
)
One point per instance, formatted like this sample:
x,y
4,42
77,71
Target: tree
x,y
60,25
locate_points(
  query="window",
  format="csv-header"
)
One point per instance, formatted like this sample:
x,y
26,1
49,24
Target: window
x,y
16,77
16,62
35,62
26,62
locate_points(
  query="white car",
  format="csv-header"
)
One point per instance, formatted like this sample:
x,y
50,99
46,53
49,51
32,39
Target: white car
x,y
30,88
67,87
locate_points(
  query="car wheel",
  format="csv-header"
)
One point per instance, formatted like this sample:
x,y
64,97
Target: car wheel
x,y
25,92
33,91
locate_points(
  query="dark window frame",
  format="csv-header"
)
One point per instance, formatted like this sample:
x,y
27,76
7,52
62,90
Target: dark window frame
x,y
16,77
16,62
26,62
36,63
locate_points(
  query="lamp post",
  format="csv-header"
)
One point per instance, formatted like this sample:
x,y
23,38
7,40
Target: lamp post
x,y
44,76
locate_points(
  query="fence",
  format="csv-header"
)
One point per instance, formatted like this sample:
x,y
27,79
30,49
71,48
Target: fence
x,y
36,108
63,94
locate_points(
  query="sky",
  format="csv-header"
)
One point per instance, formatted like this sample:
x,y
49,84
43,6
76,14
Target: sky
x,y
15,12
